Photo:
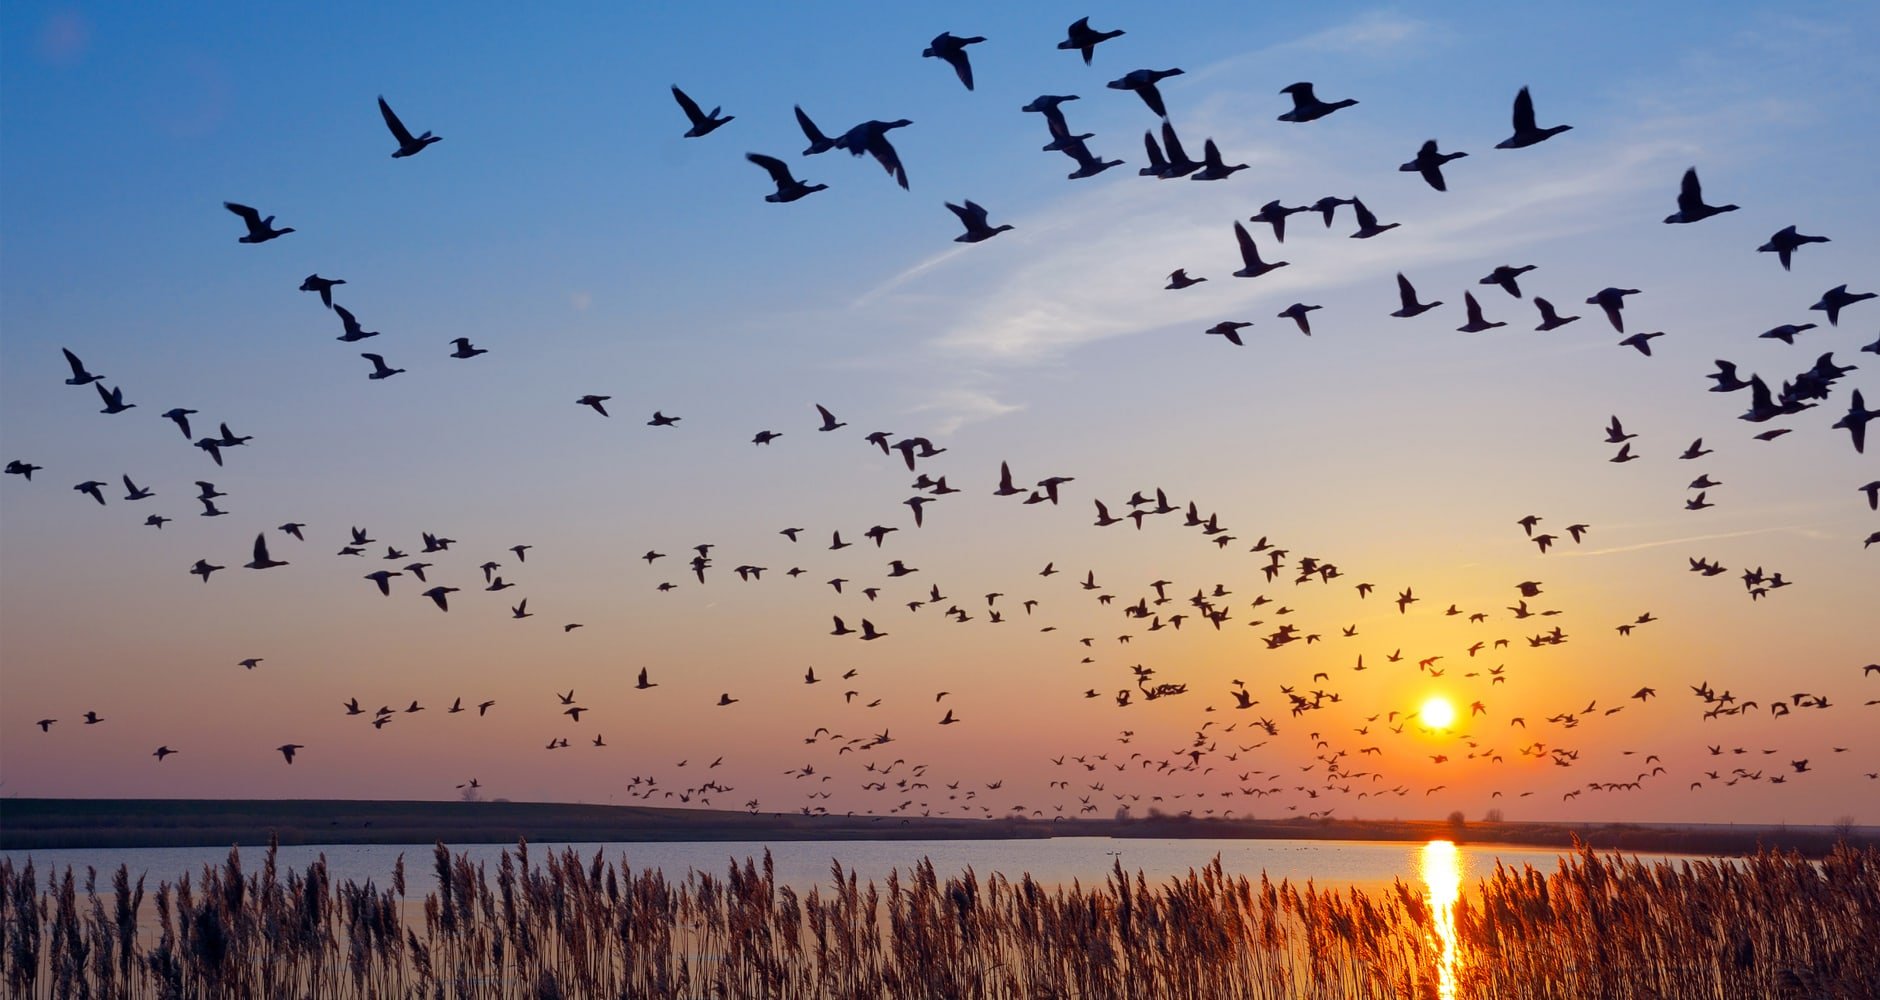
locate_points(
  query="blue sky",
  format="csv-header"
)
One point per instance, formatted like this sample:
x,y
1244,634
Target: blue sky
x,y
565,225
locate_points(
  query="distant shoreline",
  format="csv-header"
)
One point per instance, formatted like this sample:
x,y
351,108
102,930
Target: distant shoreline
x,y
51,824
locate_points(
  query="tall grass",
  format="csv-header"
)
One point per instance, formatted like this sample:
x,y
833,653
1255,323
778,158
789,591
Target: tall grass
x,y
1770,925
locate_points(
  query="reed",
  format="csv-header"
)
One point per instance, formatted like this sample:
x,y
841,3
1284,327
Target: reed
x,y
1770,925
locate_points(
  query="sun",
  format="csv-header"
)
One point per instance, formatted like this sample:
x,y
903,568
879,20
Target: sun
x,y
1437,712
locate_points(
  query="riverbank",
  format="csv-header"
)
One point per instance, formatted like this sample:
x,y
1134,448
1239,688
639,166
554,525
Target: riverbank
x,y
30,824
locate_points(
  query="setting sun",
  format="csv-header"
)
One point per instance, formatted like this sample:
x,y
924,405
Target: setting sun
x,y
1437,712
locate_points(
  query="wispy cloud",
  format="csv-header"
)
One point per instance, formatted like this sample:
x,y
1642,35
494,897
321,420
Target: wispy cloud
x,y
1786,529
1368,33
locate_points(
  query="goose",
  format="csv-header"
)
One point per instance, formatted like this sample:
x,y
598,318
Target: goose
x,y
951,49
1306,105
1525,131
1429,163
788,187
260,230
408,144
1691,207
702,124
324,286
79,375
1084,39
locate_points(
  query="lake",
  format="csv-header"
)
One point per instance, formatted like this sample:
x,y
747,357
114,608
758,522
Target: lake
x,y
802,864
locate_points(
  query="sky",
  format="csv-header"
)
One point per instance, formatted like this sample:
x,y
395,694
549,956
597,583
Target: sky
x,y
566,225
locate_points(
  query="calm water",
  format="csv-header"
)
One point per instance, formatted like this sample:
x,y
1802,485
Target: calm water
x,y
802,864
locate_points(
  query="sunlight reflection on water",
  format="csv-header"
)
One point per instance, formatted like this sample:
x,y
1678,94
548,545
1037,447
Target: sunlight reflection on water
x,y
1442,879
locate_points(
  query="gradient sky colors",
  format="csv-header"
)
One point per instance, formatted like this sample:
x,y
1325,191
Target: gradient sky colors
x,y
565,225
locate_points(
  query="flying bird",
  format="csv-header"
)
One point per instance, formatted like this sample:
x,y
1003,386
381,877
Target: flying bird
x,y
871,138
1691,207
113,399
408,144
702,123
379,368
1306,105
1429,163
973,217
1832,302
181,417
315,283
595,402
1297,313
1407,294
1550,317
952,49
1143,83
1525,131
1085,39
1476,323
1253,266
818,142
1612,300
1786,241
352,330
79,375
788,187
465,349
261,559
260,230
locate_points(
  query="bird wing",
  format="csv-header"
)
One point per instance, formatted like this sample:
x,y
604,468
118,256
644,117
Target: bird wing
x,y
399,131
810,131
779,171
249,215
1406,291
1523,112
261,549
883,151
1248,252
1690,192
1365,219
691,109
78,367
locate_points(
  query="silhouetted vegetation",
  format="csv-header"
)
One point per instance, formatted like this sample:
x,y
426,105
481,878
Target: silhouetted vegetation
x,y
34,824
1773,924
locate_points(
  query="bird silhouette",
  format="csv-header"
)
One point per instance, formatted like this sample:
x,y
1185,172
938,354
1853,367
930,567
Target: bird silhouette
x,y
1429,163
871,138
1691,207
1252,265
951,48
973,217
1526,133
1084,39
408,144
1407,295
260,230
702,124
79,375
315,283
1306,105
380,370
1785,242
1143,83
788,187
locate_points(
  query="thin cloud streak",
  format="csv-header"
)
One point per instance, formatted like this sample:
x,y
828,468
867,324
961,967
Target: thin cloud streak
x,y
1791,529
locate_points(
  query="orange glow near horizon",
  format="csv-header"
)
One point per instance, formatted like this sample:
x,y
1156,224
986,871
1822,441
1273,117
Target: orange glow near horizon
x,y
1437,713
1442,881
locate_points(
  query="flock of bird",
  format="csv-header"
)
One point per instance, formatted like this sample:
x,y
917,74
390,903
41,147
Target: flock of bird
x,y
1212,771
